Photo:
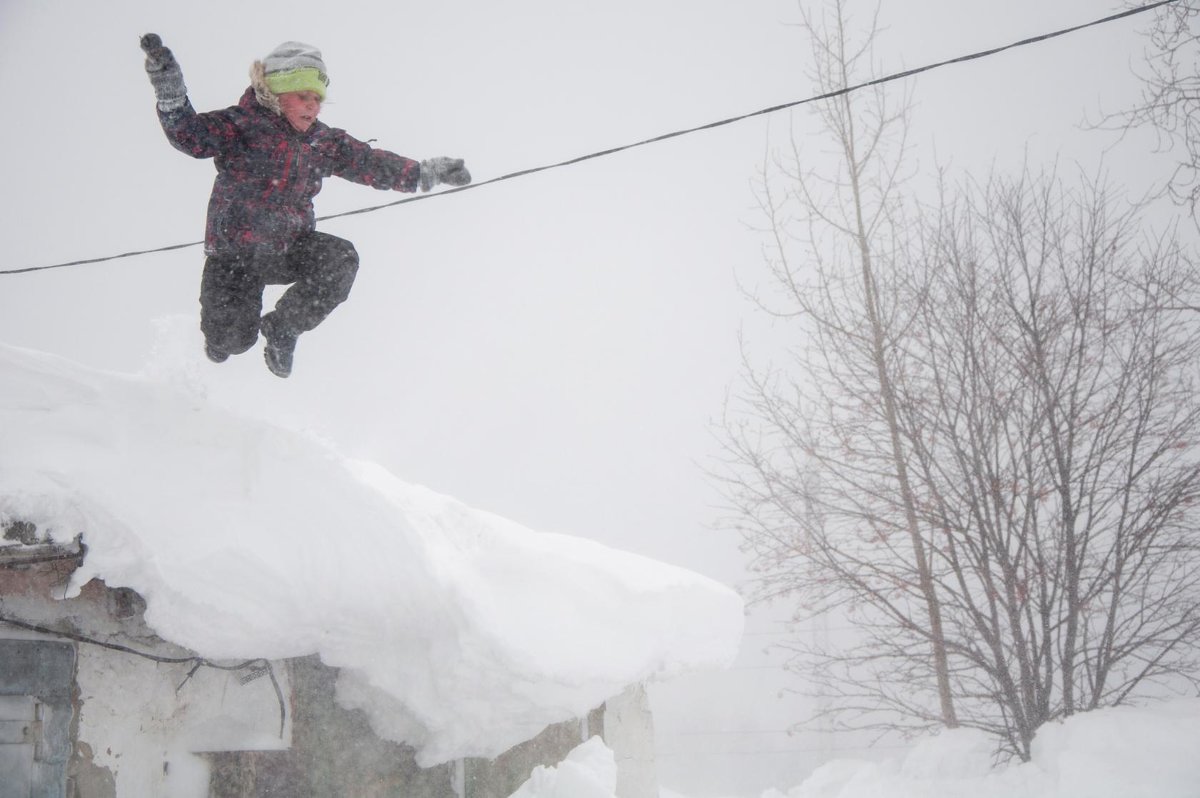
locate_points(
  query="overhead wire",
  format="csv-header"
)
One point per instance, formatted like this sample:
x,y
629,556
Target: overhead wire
x,y
664,136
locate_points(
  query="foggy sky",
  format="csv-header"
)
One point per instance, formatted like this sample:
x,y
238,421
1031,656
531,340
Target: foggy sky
x,y
554,348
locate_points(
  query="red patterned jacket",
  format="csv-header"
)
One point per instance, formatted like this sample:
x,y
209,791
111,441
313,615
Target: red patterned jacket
x,y
268,172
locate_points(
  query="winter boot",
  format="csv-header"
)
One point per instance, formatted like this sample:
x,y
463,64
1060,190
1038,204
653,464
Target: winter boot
x,y
281,345
214,354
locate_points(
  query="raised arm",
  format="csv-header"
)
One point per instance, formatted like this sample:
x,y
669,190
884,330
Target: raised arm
x,y
198,135
165,75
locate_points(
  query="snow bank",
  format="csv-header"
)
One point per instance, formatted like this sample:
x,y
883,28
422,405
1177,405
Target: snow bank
x,y
458,631
1122,752
589,771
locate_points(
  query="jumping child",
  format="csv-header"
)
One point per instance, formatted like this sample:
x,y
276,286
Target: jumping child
x,y
271,154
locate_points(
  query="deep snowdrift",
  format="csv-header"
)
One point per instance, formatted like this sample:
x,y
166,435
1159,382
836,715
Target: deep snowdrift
x,y
458,631
1120,752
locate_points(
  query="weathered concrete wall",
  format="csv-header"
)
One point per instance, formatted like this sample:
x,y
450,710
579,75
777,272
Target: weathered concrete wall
x,y
334,753
33,576
625,724
500,777
145,721
135,721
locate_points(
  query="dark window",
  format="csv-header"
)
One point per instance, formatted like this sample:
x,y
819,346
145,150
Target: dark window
x,y
35,717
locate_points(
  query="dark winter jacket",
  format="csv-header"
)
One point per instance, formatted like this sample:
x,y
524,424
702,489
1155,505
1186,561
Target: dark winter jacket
x,y
268,172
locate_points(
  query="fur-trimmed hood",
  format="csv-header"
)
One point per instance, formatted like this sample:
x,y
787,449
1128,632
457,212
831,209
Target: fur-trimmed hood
x,y
258,81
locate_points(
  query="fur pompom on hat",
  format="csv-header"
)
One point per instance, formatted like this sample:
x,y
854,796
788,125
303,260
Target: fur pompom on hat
x,y
292,66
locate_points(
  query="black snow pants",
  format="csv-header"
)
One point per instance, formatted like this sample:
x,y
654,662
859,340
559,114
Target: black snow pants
x,y
319,267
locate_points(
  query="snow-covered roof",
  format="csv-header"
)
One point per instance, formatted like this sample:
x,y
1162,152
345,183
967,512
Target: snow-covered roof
x,y
457,631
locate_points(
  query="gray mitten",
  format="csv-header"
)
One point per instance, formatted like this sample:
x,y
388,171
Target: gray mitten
x,y
165,75
450,171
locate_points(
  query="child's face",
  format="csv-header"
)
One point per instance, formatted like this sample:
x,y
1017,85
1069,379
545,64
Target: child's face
x,y
300,108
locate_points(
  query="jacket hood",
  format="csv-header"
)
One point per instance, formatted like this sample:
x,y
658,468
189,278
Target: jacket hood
x,y
258,82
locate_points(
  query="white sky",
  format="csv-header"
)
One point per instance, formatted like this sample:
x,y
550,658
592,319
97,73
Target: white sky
x,y
551,348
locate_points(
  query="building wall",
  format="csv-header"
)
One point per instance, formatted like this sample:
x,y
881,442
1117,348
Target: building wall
x,y
148,723
135,721
334,752
500,777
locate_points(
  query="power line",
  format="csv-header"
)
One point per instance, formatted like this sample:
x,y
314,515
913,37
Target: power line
x,y
665,136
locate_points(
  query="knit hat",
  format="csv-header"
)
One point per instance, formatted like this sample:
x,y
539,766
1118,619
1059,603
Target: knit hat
x,y
295,66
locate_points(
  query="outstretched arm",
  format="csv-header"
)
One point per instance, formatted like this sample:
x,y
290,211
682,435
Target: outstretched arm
x,y
362,163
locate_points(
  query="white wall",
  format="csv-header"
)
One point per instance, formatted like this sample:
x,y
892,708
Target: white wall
x,y
629,732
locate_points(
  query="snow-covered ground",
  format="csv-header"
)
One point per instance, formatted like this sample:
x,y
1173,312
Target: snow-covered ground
x,y
1121,752
457,631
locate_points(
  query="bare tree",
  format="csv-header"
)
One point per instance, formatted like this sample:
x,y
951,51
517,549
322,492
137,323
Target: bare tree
x,y
1053,410
982,453
854,209
1170,100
